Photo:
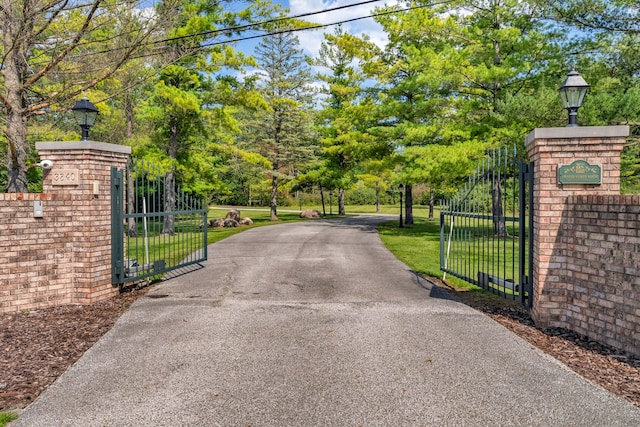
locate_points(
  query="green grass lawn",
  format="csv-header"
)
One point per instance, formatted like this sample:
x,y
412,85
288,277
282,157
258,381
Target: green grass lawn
x,y
418,210
5,417
418,246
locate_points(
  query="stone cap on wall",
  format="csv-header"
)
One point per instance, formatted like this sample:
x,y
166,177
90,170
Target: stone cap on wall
x,y
83,145
578,132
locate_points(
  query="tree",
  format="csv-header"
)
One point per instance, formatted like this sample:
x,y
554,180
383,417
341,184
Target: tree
x,y
53,51
192,104
448,71
348,110
282,132
416,101
606,36
619,16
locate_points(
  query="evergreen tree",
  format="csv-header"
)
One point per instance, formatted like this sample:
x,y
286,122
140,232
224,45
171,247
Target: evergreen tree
x,y
282,133
349,111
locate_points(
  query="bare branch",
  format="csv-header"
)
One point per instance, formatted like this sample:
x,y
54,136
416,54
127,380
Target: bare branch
x,y
52,17
74,43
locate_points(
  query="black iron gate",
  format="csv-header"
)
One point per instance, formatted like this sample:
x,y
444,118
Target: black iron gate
x,y
486,229
155,227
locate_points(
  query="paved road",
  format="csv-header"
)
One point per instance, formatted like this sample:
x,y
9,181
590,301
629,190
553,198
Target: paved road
x,y
315,324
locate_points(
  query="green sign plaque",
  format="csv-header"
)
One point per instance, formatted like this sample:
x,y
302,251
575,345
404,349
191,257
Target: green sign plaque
x,y
579,172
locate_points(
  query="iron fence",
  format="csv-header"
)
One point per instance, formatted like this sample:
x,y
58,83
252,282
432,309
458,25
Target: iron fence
x,y
485,228
156,227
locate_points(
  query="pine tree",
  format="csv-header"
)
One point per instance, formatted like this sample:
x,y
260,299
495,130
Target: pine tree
x,y
282,133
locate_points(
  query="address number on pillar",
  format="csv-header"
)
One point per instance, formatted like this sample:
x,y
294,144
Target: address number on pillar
x,y
65,177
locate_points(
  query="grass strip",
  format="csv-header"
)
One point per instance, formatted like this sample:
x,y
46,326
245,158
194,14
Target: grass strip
x,y
6,417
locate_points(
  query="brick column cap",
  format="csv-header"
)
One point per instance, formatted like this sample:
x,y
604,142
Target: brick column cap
x,y
578,132
83,145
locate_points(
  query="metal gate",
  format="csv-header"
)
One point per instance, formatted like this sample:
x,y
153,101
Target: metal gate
x,y
155,227
486,229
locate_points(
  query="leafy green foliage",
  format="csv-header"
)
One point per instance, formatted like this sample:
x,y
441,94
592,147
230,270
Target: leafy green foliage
x,y
6,417
281,132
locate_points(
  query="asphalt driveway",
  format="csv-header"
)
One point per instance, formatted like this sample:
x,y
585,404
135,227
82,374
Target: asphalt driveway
x,y
315,324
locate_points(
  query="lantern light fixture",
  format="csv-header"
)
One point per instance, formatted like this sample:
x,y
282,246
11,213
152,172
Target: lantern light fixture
x,y
572,93
85,114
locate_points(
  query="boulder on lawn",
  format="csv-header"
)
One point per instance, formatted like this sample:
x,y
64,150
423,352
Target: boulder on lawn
x,y
217,223
246,221
310,213
233,214
230,223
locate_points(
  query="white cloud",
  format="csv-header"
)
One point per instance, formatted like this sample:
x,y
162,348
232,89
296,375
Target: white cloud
x,y
311,40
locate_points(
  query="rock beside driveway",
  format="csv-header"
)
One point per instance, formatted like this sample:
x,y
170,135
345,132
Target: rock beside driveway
x,y
310,213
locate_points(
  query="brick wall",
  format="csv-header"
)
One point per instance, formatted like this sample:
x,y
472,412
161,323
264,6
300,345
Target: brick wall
x,y
548,149
586,242
601,235
37,254
65,256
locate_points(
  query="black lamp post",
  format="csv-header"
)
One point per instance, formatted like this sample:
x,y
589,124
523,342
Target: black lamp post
x,y
85,114
572,93
401,187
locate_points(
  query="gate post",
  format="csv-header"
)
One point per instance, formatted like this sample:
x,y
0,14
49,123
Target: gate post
x,y
81,171
550,148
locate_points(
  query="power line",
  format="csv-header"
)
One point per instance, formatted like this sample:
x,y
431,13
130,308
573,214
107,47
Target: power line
x,y
229,30
261,23
268,21
319,26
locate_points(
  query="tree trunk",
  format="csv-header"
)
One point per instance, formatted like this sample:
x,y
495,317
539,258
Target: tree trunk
x,y
499,223
341,210
14,69
274,197
408,205
324,209
17,155
170,183
377,197
432,202
169,203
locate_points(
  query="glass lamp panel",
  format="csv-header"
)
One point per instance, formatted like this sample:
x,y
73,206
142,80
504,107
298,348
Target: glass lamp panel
x,y
80,116
91,117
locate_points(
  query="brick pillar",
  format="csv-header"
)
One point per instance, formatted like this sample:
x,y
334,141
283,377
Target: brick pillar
x,y
82,170
550,148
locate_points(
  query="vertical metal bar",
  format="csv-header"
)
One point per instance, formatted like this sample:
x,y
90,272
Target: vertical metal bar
x,y
515,218
205,243
494,174
483,263
530,234
442,214
117,232
522,237
499,219
478,210
465,235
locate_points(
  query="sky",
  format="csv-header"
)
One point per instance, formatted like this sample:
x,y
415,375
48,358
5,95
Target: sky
x,y
310,40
